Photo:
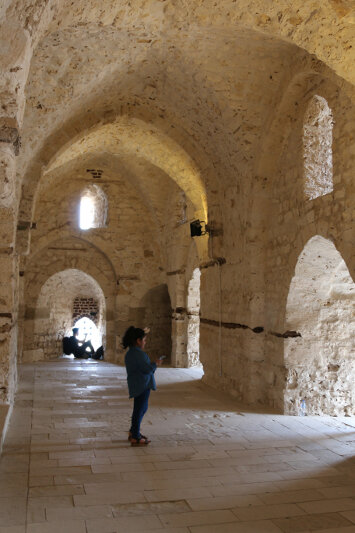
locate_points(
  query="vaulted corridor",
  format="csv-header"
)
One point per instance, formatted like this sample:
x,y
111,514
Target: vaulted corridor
x,y
211,467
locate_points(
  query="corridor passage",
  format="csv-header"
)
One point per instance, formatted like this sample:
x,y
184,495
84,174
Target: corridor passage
x,y
212,466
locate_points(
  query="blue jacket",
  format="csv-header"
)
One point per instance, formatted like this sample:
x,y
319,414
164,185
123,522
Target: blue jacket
x,y
140,372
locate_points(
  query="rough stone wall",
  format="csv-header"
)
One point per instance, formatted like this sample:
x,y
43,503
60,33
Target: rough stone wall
x,y
154,312
75,268
320,307
49,318
317,148
174,98
157,316
193,316
294,219
130,241
243,332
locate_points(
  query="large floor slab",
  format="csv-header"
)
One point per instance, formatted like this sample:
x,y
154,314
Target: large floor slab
x,y
212,466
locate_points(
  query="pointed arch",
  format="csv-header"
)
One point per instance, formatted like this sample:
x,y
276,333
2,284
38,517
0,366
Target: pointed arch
x,y
52,317
320,309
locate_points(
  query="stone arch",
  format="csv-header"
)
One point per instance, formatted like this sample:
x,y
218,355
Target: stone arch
x,y
279,177
119,135
300,91
59,237
284,141
52,316
128,135
292,24
318,354
70,253
266,21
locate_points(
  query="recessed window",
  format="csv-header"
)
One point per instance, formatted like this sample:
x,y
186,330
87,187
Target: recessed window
x,y
317,148
93,208
87,212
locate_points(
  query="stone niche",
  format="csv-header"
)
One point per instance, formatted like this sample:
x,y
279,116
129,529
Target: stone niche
x,y
320,307
157,316
61,297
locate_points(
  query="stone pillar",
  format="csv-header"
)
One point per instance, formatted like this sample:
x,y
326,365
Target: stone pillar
x,y
179,338
177,291
8,261
15,53
110,339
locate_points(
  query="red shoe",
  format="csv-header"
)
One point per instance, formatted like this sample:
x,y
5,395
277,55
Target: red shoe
x,y
142,436
140,442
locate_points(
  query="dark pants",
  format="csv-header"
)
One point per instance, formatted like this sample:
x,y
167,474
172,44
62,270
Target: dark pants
x,y
140,407
81,351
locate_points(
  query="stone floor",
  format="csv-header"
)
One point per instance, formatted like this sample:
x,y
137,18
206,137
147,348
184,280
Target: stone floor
x,y
212,467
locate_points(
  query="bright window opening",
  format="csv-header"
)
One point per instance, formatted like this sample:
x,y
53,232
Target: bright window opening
x,y
93,208
87,213
89,332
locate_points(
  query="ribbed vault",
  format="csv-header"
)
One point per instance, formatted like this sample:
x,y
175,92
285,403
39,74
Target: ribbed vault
x,y
132,137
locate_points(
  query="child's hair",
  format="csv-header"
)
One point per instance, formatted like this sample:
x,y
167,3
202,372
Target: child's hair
x,y
131,336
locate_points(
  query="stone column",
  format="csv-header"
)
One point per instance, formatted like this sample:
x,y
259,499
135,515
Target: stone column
x,y
179,338
177,291
9,145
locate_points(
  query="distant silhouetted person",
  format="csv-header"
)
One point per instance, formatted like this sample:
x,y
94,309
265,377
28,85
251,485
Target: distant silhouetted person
x,y
81,349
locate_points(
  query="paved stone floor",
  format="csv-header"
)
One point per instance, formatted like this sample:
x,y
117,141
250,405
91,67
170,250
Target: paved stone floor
x,y
212,467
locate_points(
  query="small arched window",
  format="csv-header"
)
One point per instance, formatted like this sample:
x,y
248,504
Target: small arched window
x,y
93,208
317,148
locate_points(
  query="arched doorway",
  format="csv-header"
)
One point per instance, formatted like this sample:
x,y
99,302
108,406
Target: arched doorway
x,y
57,309
320,309
193,314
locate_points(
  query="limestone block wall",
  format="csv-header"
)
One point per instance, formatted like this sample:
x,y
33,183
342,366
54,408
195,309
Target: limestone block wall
x,y
214,116
295,220
243,311
154,312
130,243
157,316
320,307
49,317
9,292
11,111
